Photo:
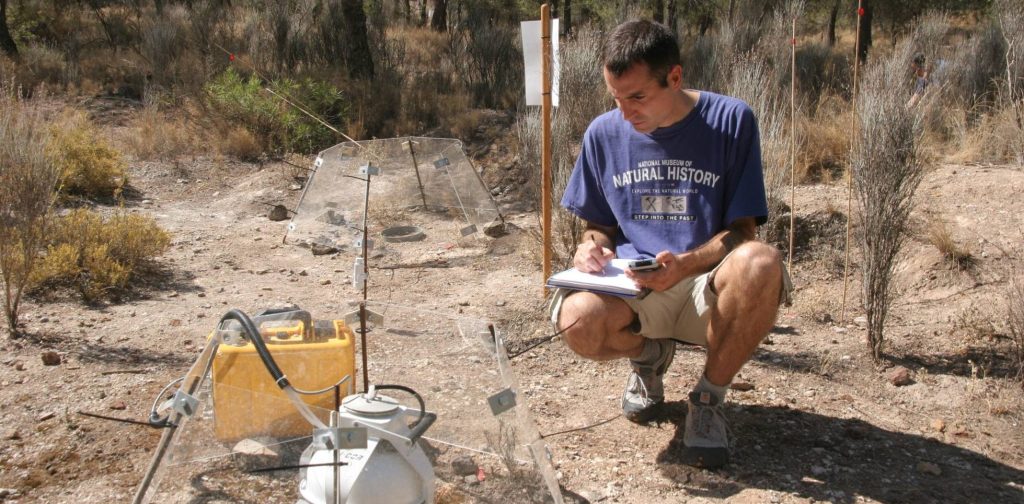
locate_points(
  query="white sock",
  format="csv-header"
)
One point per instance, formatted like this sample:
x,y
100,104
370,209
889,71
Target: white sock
x,y
716,391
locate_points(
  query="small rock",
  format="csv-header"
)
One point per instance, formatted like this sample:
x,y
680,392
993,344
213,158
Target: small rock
x,y
9,493
11,435
900,376
19,365
173,295
118,405
50,358
464,465
938,425
500,303
320,249
495,229
253,447
303,273
741,386
326,281
929,468
45,416
471,480
331,217
463,303
840,330
861,321
278,213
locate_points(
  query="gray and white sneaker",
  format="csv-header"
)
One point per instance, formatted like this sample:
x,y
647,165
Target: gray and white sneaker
x,y
645,389
706,437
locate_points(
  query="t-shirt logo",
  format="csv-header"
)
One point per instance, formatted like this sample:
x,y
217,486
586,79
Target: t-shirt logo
x,y
664,204
663,208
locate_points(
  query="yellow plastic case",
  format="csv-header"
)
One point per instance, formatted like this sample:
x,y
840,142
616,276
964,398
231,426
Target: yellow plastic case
x,y
246,401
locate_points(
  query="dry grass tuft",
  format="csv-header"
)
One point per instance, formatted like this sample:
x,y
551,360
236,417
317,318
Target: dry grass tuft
x,y
939,235
156,135
1016,321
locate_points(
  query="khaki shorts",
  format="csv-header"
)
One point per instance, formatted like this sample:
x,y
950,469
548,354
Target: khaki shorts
x,y
681,312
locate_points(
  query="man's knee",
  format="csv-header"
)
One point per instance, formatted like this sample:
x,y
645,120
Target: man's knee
x,y
757,263
581,325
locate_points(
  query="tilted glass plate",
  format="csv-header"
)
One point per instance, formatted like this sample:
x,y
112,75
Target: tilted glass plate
x,y
420,192
242,424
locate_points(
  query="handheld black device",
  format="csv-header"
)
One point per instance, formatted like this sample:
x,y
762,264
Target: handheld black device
x,y
644,265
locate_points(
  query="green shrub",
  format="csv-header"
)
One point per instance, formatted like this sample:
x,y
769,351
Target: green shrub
x,y
90,166
278,126
98,257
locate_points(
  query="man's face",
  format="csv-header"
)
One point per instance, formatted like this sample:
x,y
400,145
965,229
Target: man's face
x,y
644,102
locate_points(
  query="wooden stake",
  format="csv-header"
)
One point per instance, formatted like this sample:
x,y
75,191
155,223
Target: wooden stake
x,y
792,148
545,172
849,181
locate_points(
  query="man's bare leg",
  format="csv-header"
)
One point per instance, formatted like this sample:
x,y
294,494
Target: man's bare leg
x,y
597,327
748,287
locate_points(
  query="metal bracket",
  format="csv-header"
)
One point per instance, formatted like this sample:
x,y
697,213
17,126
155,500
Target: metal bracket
x,y
372,317
319,162
502,401
442,163
184,403
343,438
369,169
358,243
468,230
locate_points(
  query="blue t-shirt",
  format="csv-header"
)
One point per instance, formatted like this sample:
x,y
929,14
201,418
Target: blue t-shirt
x,y
675,187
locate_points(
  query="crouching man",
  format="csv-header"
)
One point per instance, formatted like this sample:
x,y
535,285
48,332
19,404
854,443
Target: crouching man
x,y
672,174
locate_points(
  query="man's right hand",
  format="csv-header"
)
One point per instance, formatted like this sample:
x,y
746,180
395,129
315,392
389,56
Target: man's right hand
x,y
591,257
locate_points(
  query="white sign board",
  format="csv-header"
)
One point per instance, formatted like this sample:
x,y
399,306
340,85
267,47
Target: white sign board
x,y
532,61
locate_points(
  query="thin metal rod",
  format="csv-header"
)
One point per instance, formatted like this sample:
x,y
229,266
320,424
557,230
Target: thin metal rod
x,y
362,343
792,149
198,372
545,171
853,147
416,166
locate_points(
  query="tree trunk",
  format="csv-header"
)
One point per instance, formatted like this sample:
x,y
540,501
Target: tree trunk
x,y
360,60
408,12
566,16
865,31
439,20
659,11
6,42
672,23
832,14
423,12
732,9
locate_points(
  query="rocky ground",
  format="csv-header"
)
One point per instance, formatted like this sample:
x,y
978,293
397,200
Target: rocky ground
x,y
814,419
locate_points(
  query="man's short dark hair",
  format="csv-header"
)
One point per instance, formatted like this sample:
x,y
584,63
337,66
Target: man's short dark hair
x,y
642,41
919,59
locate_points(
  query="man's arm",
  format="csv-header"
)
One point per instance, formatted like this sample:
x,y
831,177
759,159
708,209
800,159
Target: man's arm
x,y
596,249
676,267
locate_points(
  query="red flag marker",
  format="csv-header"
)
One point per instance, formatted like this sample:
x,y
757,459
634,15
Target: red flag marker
x,y
231,57
860,11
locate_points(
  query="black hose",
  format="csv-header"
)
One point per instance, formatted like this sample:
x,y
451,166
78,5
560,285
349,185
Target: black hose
x,y
419,399
257,341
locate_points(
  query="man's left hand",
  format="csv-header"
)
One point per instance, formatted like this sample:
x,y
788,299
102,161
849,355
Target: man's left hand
x,y
672,270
